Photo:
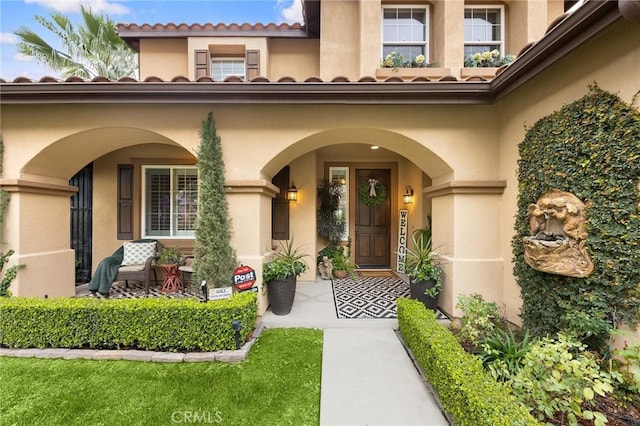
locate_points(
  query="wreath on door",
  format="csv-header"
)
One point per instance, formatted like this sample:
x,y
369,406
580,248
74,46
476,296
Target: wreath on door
x,y
372,193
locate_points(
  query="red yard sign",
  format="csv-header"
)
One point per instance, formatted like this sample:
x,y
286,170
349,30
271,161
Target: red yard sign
x,y
244,277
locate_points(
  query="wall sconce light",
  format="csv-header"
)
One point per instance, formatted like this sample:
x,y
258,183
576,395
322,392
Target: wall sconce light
x,y
408,195
292,193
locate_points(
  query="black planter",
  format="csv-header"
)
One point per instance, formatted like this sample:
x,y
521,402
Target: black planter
x,y
281,295
417,290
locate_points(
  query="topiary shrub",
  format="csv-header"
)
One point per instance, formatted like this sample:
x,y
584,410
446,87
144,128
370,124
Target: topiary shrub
x,y
468,394
149,324
590,148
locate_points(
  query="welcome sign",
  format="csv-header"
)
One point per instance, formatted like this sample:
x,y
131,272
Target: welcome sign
x,y
403,229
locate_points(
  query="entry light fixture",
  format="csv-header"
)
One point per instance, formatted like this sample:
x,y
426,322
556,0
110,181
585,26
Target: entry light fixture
x,y
374,147
408,195
292,193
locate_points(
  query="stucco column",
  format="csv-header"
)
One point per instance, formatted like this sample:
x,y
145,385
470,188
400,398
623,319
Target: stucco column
x,y
447,34
250,210
37,227
466,228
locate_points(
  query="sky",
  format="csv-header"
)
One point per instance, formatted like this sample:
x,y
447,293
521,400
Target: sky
x,y
20,13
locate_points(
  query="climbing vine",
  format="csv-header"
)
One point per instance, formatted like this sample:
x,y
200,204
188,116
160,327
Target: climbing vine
x,y
11,272
590,148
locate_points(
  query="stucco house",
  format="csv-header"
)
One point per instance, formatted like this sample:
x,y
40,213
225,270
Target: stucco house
x,y
298,103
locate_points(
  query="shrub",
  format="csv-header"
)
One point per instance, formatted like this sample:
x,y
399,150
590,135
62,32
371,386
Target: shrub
x,y
214,258
560,376
330,252
479,318
150,324
589,148
467,393
503,354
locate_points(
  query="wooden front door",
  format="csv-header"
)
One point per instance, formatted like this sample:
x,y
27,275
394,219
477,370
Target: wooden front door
x,y
372,225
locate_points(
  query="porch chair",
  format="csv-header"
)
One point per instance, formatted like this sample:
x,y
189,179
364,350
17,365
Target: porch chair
x,y
139,271
186,271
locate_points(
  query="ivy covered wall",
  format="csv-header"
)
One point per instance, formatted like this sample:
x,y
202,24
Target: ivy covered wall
x,y
590,148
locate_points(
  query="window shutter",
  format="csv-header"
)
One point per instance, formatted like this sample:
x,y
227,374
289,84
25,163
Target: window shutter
x,y
252,60
125,201
280,206
202,63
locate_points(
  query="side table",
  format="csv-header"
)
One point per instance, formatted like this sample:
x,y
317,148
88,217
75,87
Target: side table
x,y
172,282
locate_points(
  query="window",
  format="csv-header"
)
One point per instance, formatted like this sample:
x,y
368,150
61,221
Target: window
x,y
170,201
405,30
483,29
222,68
222,61
340,175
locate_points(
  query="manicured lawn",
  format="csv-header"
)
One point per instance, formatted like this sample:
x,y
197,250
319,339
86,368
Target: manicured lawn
x,y
279,384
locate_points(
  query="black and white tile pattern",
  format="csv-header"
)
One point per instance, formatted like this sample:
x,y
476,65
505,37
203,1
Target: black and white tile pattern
x,y
136,290
370,297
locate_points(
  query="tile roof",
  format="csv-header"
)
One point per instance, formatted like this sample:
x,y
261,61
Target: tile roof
x,y
562,36
133,32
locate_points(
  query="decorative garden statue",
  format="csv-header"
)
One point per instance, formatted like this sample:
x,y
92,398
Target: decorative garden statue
x,y
326,268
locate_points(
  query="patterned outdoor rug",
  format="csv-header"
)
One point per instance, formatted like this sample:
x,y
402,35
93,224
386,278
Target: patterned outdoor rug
x,y
368,297
136,291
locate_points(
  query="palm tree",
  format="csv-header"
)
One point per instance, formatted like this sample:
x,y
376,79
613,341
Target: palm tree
x,y
94,49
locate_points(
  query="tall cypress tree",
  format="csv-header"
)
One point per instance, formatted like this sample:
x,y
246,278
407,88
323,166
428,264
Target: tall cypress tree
x,y
214,260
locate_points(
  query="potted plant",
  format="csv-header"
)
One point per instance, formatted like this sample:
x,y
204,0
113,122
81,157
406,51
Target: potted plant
x,y
342,264
396,64
423,269
281,274
331,226
170,256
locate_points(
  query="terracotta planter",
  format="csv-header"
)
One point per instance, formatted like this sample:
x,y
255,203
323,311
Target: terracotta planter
x,y
281,295
417,289
411,73
339,273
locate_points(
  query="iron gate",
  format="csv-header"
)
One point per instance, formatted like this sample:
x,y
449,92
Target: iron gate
x,y
81,222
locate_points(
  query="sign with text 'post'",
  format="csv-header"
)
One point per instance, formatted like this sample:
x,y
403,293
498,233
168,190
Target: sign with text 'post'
x,y
403,229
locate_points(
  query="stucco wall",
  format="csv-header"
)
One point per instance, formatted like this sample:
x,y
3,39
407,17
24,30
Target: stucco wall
x,y
299,59
164,58
613,65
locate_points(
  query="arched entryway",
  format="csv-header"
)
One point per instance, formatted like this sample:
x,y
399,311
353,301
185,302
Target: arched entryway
x,y
42,241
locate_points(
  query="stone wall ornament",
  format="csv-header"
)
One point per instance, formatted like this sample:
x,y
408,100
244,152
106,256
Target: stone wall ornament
x,y
325,267
558,235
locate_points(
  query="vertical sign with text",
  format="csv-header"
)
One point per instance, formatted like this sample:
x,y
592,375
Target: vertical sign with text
x,y
403,229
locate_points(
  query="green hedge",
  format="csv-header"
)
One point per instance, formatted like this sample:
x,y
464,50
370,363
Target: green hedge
x,y
590,148
467,393
149,324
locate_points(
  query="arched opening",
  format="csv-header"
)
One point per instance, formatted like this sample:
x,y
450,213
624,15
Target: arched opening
x,y
396,162
50,244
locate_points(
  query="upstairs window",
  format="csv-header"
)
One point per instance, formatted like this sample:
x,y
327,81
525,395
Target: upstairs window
x,y
483,29
222,61
405,30
222,68
170,201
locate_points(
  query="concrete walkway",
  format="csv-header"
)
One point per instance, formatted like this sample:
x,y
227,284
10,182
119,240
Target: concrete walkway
x,y
367,376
